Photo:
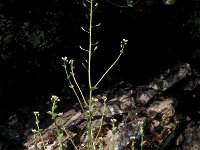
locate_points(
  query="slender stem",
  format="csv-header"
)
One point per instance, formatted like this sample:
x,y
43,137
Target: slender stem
x,y
39,130
71,85
90,47
69,137
59,136
42,139
83,97
108,70
90,136
103,113
35,141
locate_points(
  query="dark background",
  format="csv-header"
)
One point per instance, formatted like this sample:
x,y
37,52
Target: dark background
x,y
35,34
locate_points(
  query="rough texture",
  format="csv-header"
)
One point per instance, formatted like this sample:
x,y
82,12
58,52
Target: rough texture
x,y
162,123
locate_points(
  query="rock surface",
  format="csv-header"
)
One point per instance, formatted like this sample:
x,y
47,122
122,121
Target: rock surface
x,y
154,105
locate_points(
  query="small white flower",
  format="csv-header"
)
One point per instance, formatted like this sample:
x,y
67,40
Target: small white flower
x,y
132,138
71,61
36,112
55,98
33,130
60,114
113,120
64,59
94,99
125,41
104,98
